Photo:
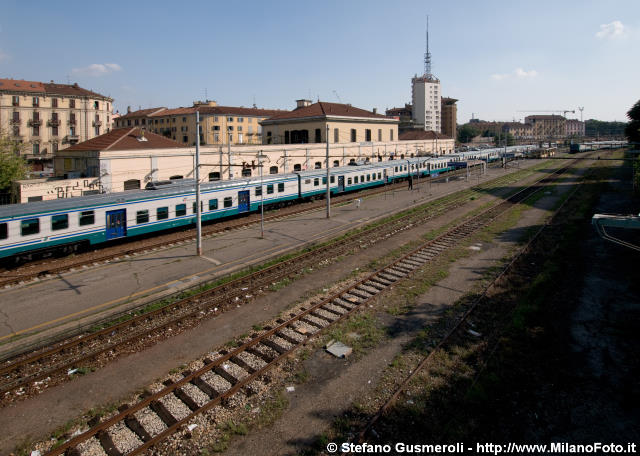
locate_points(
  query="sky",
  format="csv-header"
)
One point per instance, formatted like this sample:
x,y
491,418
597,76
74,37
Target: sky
x,y
497,58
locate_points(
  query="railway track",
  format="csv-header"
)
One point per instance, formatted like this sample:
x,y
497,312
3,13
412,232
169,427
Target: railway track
x,y
519,272
21,372
49,267
139,426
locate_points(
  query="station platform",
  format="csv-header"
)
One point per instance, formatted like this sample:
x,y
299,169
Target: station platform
x,y
39,310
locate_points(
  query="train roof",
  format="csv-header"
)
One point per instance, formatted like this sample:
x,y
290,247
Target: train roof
x,y
176,188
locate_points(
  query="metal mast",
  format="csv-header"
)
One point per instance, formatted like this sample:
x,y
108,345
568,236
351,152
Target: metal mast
x,y
427,55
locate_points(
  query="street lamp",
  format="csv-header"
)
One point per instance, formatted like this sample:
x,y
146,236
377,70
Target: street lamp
x,y
261,157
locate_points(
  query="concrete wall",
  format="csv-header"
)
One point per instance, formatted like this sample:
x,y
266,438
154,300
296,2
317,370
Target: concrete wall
x,y
50,189
276,134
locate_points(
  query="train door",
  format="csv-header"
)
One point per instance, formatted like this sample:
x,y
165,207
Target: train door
x,y
385,177
243,201
116,224
340,184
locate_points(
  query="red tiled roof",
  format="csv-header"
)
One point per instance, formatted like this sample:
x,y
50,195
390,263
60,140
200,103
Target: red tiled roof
x,y
125,139
141,113
173,112
240,111
413,135
324,109
18,85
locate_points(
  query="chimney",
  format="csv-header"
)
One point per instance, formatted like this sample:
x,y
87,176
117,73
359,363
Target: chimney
x,y
302,103
128,109
375,110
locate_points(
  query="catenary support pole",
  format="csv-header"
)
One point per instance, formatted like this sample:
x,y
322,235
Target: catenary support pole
x,y
328,185
197,176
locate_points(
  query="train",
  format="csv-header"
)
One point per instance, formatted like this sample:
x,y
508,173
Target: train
x,y
460,159
596,145
65,225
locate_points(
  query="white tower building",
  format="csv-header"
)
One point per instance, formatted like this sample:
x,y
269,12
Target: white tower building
x,y
426,96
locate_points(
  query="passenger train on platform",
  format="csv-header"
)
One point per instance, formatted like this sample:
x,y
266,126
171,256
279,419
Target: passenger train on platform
x,y
66,224
69,223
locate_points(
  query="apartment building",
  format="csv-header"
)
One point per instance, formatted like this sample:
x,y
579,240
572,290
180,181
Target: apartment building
x,y
51,116
547,126
218,124
574,127
449,112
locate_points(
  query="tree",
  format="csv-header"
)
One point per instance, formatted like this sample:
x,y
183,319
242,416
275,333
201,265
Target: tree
x,y
12,165
632,130
466,133
499,139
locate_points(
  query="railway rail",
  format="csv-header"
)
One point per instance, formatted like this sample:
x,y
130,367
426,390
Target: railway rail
x,y
48,266
200,390
24,369
527,263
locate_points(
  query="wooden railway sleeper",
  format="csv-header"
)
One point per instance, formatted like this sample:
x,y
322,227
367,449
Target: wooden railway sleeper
x,y
339,302
219,370
363,294
260,354
403,268
381,280
163,413
271,344
107,444
311,322
134,425
376,285
323,317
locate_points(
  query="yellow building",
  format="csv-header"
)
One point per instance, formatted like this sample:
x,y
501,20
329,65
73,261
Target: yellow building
x,y
218,124
51,117
308,123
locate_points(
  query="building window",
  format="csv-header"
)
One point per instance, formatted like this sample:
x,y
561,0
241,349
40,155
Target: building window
x,y
16,116
97,132
246,172
229,119
54,102
36,147
214,176
177,177
216,128
36,102
216,138
273,170
16,131
54,131
72,103
240,138
185,139
240,119
15,100
132,184
318,165
391,135
297,167
367,135
379,134
96,105
215,118
54,145
336,135
318,135
336,163
239,127
353,135
162,213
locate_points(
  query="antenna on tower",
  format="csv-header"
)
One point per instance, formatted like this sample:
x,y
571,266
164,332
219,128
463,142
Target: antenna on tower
x,y
581,109
427,55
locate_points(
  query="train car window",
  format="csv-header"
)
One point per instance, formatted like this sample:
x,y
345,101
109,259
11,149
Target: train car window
x,y
59,222
4,232
316,182
307,181
195,208
87,218
333,179
269,189
379,175
324,180
162,213
348,181
181,209
213,204
228,201
368,177
259,191
395,168
281,187
355,179
30,226
142,217
405,167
